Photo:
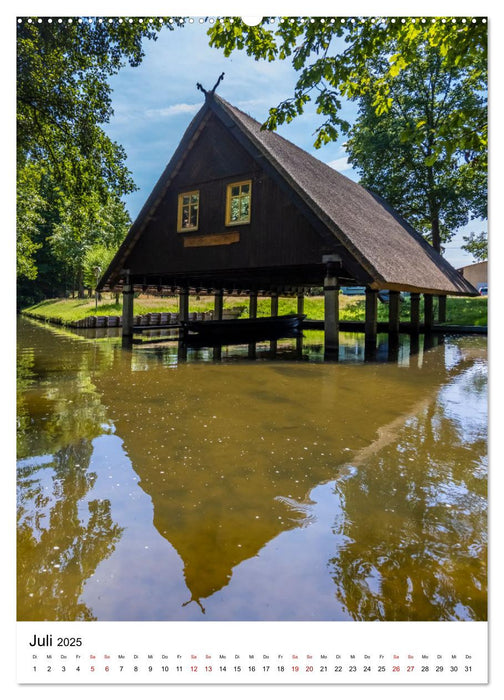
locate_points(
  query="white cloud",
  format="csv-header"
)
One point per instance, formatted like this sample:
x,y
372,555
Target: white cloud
x,y
340,164
173,110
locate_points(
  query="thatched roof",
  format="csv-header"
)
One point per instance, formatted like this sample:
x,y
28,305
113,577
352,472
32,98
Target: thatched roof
x,y
393,254
381,240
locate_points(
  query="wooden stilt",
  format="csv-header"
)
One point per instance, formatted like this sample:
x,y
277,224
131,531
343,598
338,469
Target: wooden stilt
x,y
218,305
184,305
428,312
371,312
394,311
442,308
274,304
253,305
371,323
331,312
127,311
299,346
300,303
415,312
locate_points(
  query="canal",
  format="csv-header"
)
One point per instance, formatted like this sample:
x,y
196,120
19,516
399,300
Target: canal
x,y
250,483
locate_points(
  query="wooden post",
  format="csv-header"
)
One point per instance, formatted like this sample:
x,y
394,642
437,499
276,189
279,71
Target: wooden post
x,y
274,304
442,308
371,323
300,303
253,305
415,312
218,305
394,311
299,347
184,305
428,312
127,310
371,312
331,312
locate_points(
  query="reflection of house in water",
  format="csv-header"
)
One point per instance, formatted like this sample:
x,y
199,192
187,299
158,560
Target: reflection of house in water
x,y
230,453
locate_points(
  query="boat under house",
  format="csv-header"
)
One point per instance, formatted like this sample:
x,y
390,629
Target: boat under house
x,y
241,210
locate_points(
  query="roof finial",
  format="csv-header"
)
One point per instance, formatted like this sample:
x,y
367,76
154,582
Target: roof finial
x,y
221,77
209,93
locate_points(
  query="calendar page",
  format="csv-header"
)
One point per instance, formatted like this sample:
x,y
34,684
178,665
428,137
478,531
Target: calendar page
x,y
252,348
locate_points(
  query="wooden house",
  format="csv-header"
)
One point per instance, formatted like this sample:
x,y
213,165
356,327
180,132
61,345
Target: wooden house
x,y
239,209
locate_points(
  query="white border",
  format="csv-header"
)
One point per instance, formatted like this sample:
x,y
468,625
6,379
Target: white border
x,y
293,8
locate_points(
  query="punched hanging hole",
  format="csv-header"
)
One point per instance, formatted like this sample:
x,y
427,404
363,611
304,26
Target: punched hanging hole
x,y
252,21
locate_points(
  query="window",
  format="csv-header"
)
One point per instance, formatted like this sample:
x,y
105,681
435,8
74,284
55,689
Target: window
x,y
238,203
188,211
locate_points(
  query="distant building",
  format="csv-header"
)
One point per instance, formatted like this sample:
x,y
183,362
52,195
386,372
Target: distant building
x,y
476,274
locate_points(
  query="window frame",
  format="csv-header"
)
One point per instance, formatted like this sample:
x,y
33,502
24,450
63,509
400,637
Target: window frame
x,y
229,197
180,210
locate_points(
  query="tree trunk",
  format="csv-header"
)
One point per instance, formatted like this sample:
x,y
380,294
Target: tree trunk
x,y
436,236
80,285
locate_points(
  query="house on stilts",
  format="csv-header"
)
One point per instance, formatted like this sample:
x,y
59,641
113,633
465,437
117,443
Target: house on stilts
x,y
242,210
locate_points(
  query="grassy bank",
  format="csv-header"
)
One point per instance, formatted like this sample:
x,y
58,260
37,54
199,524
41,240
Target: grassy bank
x,y
459,310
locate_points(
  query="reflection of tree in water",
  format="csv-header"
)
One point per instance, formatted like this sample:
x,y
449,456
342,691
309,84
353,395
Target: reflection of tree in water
x,y
59,412
414,525
60,547
56,395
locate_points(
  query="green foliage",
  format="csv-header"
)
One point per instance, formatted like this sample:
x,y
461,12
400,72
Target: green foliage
x,y
63,96
87,231
96,261
29,217
477,245
421,137
402,154
72,173
333,59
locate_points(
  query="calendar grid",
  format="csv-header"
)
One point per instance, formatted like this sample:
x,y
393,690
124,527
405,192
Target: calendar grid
x,y
279,653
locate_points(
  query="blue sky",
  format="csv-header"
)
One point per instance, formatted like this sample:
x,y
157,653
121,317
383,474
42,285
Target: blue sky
x,y
155,102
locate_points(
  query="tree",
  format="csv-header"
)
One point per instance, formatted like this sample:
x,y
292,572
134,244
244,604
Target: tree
x,y
82,227
29,218
477,245
402,154
63,96
333,57
66,163
436,143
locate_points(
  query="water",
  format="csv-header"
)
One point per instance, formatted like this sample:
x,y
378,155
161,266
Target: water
x,y
160,485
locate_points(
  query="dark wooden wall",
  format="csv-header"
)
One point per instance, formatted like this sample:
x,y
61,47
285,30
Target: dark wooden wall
x,y
278,234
